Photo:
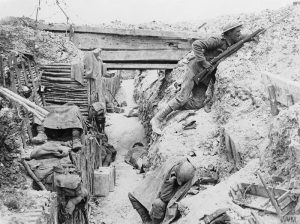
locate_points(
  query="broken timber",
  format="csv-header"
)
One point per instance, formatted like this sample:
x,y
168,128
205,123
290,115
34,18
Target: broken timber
x,y
232,151
130,48
256,197
287,92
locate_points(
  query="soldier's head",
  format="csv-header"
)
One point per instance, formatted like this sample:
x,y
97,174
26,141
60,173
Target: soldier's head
x,y
232,31
185,173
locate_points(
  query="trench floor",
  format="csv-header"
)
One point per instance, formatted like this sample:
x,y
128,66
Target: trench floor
x,y
122,132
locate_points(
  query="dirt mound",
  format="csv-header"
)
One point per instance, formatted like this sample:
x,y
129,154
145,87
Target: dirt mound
x,y
12,172
20,34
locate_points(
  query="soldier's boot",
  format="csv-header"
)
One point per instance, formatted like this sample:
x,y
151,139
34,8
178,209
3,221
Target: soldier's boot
x,y
144,216
41,136
141,210
156,221
76,137
158,118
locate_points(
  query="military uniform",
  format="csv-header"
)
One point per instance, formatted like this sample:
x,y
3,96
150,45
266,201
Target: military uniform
x,y
193,96
204,50
155,198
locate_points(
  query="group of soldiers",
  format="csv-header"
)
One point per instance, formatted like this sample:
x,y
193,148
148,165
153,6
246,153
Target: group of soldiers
x,y
155,198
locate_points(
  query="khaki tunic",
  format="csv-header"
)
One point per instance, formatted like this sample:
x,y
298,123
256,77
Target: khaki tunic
x,y
150,189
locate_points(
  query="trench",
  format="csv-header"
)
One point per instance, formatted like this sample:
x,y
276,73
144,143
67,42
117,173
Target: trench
x,y
122,132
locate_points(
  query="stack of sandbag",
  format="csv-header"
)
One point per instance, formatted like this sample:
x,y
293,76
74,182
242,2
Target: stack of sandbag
x,y
51,164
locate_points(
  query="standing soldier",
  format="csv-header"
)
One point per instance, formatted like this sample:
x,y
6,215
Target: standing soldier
x,y
193,96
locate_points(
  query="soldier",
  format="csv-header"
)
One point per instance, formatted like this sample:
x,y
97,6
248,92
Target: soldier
x,y
61,117
193,96
155,199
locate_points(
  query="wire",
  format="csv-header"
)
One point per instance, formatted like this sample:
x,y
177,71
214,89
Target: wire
x,y
35,7
58,4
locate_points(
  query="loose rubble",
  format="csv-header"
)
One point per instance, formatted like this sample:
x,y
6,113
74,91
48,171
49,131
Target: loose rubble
x,y
21,35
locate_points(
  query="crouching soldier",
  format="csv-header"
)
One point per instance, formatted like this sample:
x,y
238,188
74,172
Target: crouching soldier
x,y
190,95
155,198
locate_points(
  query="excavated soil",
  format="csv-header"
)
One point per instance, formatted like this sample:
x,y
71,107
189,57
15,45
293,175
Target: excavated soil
x,y
21,35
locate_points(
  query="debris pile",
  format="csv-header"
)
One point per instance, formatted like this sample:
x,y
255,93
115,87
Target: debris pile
x,y
281,157
20,34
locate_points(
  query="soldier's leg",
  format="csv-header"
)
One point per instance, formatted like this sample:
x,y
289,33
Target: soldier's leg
x,y
76,136
209,97
158,211
143,212
180,99
197,100
185,90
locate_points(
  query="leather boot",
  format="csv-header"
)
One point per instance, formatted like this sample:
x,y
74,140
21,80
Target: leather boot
x,y
76,139
156,221
142,211
158,118
41,136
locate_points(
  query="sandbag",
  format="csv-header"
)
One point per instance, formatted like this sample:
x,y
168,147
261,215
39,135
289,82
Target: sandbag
x,y
48,150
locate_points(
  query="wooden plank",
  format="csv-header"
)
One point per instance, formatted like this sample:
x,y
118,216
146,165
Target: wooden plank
x,y
24,73
2,74
134,32
259,190
290,100
129,66
143,55
273,101
88,41
283,87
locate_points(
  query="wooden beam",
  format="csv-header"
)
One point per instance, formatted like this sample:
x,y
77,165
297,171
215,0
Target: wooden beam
x,y
88,41
132,66
122,32
143,55
273,101
283,87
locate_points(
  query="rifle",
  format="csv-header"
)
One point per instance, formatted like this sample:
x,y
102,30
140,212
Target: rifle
x,y
113,98
229,51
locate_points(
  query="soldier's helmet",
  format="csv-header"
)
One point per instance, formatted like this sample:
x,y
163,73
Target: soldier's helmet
x,y
185,172
231,26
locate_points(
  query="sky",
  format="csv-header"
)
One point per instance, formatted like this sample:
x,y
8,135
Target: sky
x,y
133,11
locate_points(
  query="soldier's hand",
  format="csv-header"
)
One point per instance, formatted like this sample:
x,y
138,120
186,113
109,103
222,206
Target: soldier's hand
x,y
255,39
207,65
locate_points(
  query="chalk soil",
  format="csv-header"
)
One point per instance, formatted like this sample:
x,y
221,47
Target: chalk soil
x,y
122,132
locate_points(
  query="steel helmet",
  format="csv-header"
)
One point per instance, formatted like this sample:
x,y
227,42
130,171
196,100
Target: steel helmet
x,y
231,26
185,172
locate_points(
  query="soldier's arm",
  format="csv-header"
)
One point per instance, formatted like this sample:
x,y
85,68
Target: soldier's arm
x,y
200,46
167,190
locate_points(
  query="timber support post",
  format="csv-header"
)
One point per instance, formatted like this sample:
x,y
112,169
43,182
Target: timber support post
x,y
273,101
